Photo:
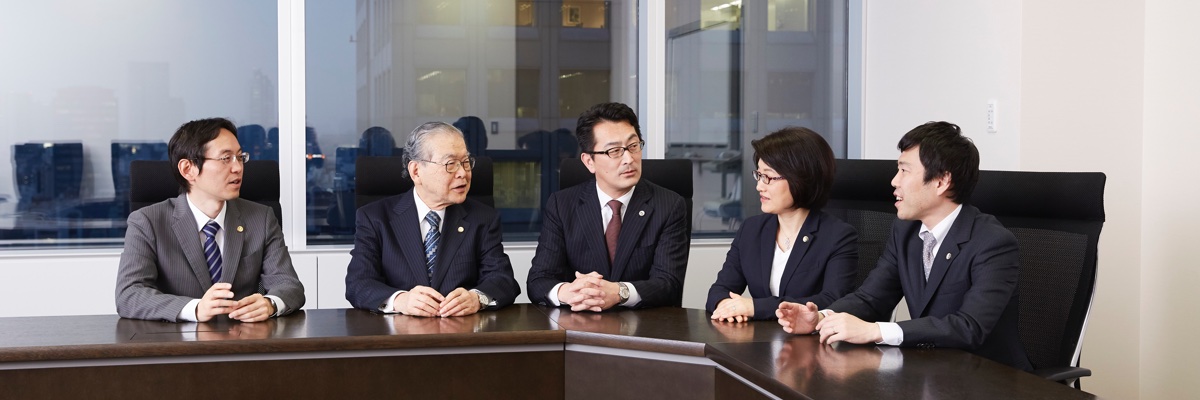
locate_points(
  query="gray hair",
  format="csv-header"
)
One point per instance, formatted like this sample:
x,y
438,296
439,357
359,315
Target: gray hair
x,y
415,149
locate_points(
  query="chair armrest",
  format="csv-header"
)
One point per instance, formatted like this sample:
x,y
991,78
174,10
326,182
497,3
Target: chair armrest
x,y
1063,374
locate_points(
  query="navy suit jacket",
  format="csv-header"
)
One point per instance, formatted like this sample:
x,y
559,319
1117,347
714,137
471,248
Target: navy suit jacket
x,y
820,269
652,247
389,253
970,299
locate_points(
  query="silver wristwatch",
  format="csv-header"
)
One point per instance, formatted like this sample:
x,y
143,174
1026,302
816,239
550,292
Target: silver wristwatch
x,y
623,293
484,300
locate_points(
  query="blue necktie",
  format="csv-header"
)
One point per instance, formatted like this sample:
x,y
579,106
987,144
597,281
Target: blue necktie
x,y
431,243
212,254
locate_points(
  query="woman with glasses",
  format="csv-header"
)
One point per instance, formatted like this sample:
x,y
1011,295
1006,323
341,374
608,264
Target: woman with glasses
x,y
793,251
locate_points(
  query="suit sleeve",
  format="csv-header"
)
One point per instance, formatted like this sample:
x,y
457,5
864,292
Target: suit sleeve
x,y
665,286
730,278
994,272
366,285
879,294
138,295
495,270
840,268
278,275
549,266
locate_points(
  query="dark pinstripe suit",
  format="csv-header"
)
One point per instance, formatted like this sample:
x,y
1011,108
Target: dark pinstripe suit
x,y
829,257
389,253
652,248
163,267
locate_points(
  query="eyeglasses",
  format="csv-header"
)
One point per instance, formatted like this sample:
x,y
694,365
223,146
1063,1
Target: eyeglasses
x,y
452,166
761,177
618,152
243,157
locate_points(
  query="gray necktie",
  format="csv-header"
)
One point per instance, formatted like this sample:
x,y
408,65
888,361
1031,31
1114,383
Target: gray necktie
x,y
927,254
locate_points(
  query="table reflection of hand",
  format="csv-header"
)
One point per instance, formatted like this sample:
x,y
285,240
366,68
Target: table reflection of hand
x,y
239,331
406,325
842,362
462,324
794,365
735,331
612,323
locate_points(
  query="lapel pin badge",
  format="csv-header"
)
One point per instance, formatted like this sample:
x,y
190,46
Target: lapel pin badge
x,y
947,256
460,229
240,228
642,213
804,239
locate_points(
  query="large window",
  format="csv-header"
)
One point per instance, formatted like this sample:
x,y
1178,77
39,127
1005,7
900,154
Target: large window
x,y
86,87
738,70
513,75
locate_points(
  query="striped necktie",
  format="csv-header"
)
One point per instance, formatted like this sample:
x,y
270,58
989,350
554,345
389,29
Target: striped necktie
x,y
212,254
431,243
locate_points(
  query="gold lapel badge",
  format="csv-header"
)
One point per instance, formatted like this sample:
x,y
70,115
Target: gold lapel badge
x,y
240,228
460,229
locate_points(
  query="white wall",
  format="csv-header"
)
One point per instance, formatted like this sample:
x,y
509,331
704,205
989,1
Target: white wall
x,y
1170,265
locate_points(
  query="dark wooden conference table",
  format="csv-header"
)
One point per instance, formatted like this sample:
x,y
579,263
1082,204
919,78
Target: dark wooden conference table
x,y
521,351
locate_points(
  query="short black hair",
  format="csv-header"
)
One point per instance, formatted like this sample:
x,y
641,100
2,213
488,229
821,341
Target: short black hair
x,y
611,112
804,159
190,142
944,149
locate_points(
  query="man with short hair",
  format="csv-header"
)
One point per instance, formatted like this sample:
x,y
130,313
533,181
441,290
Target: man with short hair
x,y
206,252
956,267
616,240
431,251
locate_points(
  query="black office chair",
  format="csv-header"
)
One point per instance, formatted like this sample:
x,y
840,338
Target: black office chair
x,y
1057,217
862,196
378,177
151,181
675,175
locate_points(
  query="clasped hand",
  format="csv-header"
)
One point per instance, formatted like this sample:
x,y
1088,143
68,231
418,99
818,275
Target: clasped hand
x,y
423,301
589,292
838,327
734,309
218,300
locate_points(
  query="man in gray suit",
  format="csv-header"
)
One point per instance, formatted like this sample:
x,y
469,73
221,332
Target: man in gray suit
x,y
206,252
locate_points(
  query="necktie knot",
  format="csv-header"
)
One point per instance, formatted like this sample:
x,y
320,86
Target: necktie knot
x,y
211,228
433,219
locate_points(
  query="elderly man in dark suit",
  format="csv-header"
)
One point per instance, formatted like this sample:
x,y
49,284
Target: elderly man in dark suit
x,y
616,240
956,267
206,252
431,251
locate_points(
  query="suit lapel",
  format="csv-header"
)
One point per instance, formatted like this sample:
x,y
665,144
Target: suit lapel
x,y
187,234
633,223
412,245
766,250
452,239
592,227
804,240
231,254
960,232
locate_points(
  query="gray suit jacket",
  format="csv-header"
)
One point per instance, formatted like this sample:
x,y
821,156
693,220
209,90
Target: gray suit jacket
x,y
163,267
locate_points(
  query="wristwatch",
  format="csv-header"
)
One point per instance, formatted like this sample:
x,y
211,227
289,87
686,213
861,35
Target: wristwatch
x,y
484,300
623,293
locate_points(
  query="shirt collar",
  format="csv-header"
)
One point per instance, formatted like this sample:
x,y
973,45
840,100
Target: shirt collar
x,y
201,218
423,209
943,228
624,199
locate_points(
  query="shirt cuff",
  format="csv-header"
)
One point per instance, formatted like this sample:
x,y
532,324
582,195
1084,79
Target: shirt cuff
x,y
554,294
188,313
390,306
634,299
891,333
278,303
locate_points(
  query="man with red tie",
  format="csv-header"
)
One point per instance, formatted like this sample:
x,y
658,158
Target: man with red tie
x,y
616,240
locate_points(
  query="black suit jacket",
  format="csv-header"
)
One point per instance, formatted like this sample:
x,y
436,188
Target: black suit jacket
x,y
970,299
389,253
820,270
652,247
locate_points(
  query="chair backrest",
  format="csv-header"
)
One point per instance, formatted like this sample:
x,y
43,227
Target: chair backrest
x,y
674,174
379,177
1056,217
151,181
862,196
